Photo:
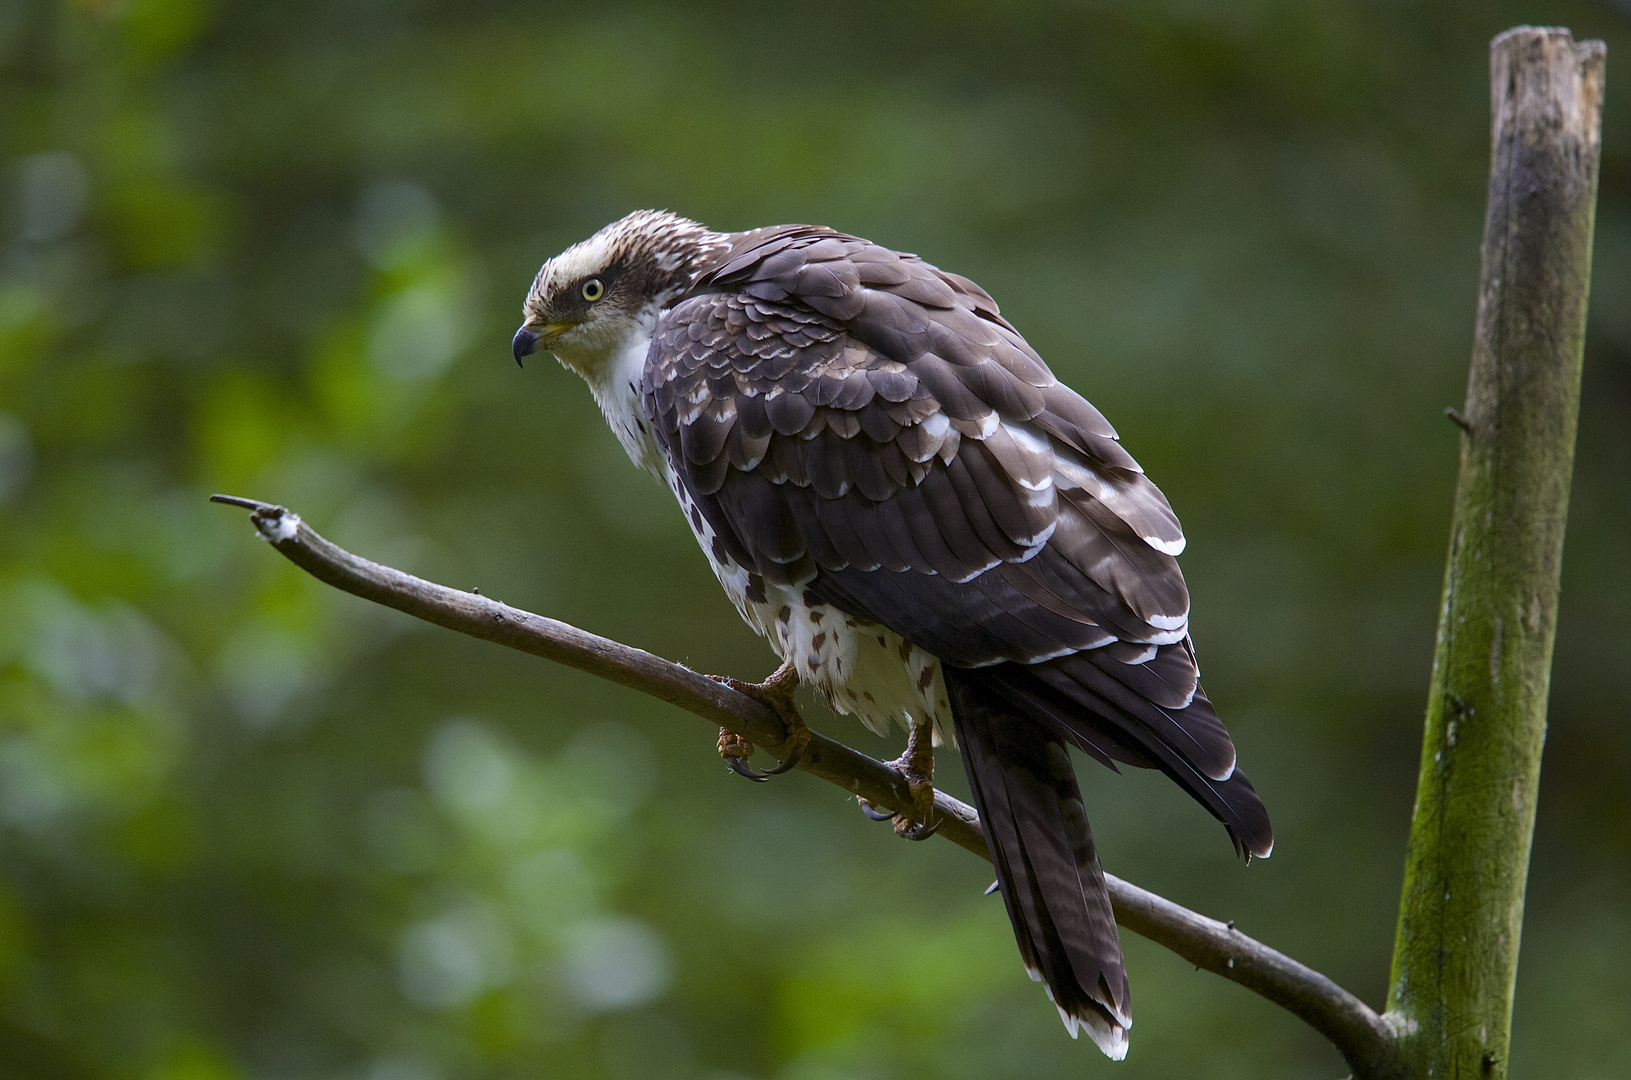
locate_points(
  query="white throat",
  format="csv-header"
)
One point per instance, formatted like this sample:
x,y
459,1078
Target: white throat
x,y
614,376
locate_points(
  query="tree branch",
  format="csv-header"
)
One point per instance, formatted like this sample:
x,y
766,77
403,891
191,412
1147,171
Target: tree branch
x,y
1363,1038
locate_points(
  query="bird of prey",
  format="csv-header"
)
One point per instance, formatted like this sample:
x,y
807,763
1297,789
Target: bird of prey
x,y
927,526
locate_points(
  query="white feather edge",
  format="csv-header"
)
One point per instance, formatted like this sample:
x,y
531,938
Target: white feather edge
x,y
1073,472
1110,1038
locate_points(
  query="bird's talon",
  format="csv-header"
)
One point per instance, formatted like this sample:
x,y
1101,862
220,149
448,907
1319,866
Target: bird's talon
x,y
738,761
736,751
917,767
776,692
907,829
793,758
873,812
743,769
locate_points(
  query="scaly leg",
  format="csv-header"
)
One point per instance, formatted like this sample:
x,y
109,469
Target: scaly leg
x,y
917,765
777,693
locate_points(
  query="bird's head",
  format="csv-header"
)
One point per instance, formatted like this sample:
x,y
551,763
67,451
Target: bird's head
x,y
594,299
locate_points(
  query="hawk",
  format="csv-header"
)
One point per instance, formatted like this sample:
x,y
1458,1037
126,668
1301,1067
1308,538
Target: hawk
x,y
926,525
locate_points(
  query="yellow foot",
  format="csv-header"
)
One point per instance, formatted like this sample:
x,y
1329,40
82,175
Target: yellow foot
x,y
775,692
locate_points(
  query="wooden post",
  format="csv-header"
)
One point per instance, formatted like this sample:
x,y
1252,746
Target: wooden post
x,y
1456,954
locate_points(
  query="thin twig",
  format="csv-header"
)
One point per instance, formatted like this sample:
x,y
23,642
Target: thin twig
x,y
1363,1038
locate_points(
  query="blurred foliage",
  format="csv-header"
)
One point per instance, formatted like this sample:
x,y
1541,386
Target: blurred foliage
x,y
250,828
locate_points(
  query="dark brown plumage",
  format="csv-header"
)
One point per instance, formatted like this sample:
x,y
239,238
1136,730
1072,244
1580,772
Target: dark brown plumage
x,y
859,432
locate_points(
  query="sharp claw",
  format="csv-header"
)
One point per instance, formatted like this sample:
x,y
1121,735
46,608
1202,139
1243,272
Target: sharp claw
x,y
792,762
905,827
775,692
874,814
993,887
735,750
917,832
740,767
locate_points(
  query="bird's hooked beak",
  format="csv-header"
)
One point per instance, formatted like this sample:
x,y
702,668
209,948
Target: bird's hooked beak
x,y
528,341
525,343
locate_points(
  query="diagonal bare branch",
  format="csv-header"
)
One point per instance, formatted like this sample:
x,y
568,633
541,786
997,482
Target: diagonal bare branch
x,y
1364,1038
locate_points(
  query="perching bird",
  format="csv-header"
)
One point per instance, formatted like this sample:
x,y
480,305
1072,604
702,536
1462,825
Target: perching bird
x,y
926,525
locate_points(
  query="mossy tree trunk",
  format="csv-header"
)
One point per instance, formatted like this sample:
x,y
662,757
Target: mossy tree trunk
x,y
1456,954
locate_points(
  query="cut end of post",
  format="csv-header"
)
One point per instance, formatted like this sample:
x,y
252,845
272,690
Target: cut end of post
x,y
1541,72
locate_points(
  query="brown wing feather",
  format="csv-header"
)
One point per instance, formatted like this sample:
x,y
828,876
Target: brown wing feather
x,y
854,421
844,396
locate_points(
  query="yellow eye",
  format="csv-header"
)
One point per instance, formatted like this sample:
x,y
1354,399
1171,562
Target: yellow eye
x,y
593,289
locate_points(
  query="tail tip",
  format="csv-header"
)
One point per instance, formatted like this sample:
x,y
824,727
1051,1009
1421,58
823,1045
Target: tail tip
x,y
1105,1024
1109,1035
1259,847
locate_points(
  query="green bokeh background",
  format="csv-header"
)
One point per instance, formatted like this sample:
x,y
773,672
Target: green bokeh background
x,y
251,828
